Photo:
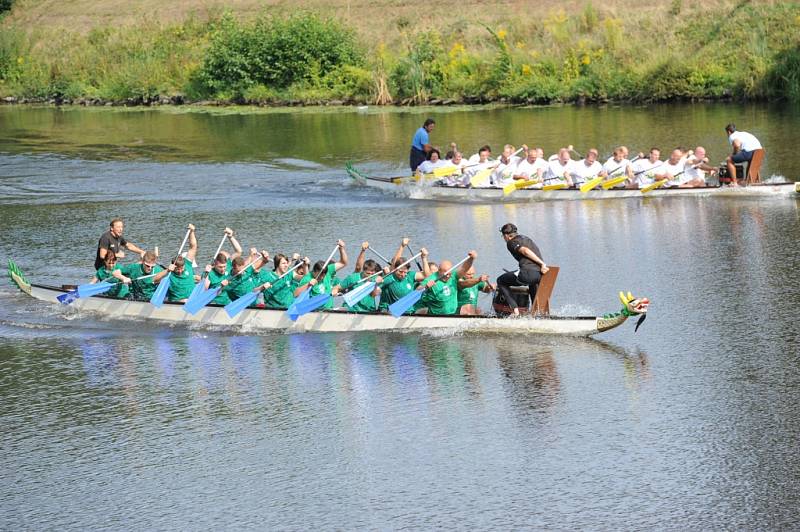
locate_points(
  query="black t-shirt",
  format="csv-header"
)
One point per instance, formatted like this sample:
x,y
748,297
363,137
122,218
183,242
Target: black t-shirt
x,y
520,241
111,243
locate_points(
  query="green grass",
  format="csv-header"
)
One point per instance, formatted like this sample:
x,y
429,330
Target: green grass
x,y
380,52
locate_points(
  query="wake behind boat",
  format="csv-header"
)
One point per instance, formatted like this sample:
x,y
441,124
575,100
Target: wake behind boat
x,y
432,188
336,320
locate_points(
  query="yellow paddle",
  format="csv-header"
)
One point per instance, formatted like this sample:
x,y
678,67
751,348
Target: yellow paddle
x,y
481,177
556,186
614,182
654,186
589,185
518,184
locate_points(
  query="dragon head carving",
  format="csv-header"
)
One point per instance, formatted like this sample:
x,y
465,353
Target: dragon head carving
x,y
633,306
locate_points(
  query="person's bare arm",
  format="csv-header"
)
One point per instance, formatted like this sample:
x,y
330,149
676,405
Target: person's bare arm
x,y
535,258
426,268
237,248
131,247
399,253
342,256
360,259
192,253
462,271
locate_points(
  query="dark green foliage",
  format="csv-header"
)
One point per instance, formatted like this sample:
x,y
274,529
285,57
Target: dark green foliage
x,y
783,80
6,5
276,53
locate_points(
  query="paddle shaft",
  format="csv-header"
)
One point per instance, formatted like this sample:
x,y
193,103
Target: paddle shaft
x,y
419,266
649,169
384,259
388,274
614,171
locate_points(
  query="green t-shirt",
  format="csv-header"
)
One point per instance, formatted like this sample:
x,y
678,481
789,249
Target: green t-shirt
x,y
367,304
120,289
393,289
181,286
214,280
240,285
469,296
281,293
442,297
142,290
322,287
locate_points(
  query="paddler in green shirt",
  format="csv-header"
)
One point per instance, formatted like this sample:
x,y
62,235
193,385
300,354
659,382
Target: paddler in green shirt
x,y
468,288
216,274
320,278
142,289
363,269
278,287
112,272
242,278
400,283
181,279
441,289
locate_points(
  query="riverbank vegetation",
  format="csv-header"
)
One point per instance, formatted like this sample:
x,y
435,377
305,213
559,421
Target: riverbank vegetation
x,y
559,52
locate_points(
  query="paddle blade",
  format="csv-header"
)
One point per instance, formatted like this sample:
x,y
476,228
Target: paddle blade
x,y
68,297
157,299
525,183
354,296
654,186
555,186
197,290
399,307
481,177
235,307
444,171
614,182
592,183
89,290
310,305
292,310
509,188
198,301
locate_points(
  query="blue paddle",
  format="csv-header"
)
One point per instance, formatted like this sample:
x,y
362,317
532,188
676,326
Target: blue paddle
x,y
294,311
157,299
199,288
354,295
193,306
399,307
93,289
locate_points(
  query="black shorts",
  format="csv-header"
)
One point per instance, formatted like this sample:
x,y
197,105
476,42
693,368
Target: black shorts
x,y
416,158
742,156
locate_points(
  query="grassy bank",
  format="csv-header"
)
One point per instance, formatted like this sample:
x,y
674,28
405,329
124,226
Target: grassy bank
x,y
382,52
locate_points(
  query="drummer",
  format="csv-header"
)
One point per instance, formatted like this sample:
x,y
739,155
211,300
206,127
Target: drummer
x,y
531,266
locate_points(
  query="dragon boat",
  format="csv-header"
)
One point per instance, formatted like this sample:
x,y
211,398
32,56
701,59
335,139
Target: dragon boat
x,y
432,188
336,320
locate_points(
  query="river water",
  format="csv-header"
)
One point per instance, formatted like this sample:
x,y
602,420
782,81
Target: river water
x,y
692,422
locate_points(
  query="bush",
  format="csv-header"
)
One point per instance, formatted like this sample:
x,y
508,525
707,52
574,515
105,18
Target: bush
x,y
6,5
276,53
783,79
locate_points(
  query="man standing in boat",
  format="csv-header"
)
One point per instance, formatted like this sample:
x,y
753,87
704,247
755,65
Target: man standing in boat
x,y
113,241
531,266
421,144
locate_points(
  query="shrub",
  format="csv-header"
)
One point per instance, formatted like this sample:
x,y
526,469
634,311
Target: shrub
x,y
6,5
276,53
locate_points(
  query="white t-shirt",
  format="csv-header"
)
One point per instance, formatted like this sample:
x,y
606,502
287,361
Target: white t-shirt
x,y
428,166
504,173
646,170
748,140
531,169
673,170
582,173
555,171
616,169
691,173
470,172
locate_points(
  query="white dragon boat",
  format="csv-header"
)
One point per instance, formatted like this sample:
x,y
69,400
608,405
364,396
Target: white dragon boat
x,y
257,319
427,188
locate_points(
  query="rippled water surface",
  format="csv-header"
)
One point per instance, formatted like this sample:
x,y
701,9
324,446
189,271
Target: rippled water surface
x,y
692,422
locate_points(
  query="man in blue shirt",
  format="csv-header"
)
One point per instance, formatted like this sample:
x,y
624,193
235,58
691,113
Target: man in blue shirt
x,y
421,144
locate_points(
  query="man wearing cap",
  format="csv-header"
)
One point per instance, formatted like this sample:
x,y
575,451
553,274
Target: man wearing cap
x,y
744,145
531,266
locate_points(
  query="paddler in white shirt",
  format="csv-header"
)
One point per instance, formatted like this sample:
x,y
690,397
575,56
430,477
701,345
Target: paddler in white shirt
x,y
482,161
531,168
696,168
483,155
431,164
560,169
619,165
673,169
587,169
457,177
506,166
644,169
